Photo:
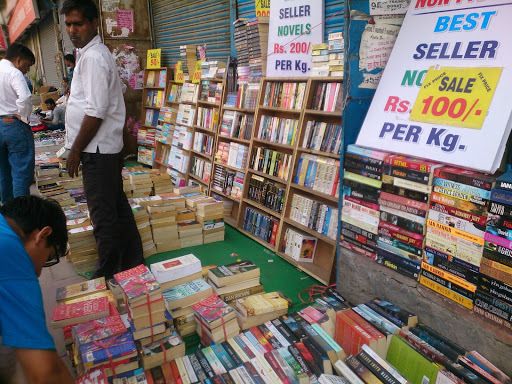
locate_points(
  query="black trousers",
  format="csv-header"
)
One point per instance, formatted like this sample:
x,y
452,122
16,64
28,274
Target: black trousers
x,y
117,237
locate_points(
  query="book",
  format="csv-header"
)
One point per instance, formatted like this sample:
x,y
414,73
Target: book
x,y
212,311
84,288
233,273
138,283
186,294
177,268
80,312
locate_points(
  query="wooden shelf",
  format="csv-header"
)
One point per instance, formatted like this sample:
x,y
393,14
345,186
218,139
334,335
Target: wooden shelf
x,y
262,208
329,79
235,139
188,103
311,269
257,239
322,113
172,102
211,104
316,193
229,167
229,220
154,87
281,110
287,79
320,153
204,129
236,109
310,231
146,145
270,177
215,80
226,196
208,157
150,107
269,143
196,178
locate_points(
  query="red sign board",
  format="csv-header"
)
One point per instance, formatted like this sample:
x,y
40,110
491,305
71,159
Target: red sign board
x,y
3,42
22,16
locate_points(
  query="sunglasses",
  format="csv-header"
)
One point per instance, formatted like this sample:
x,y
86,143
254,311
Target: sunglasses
x,y
55,256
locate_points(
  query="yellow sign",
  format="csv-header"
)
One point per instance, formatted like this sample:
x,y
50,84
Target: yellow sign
x,y
458,97
196,78
179,76
262,8
154,58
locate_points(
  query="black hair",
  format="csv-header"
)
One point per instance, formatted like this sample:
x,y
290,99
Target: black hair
x,y
32,213
86,7
49,101
69,57
19,51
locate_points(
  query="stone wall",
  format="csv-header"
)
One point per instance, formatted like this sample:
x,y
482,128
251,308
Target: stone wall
x,y
360,279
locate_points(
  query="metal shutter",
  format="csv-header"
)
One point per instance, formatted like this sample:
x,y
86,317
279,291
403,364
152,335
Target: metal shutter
x,y
333,17
49,52
182,22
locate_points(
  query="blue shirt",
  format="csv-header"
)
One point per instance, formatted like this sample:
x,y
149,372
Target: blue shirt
x,y
22,318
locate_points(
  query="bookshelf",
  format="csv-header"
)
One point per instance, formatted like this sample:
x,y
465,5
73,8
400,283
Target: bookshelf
x,y
153,96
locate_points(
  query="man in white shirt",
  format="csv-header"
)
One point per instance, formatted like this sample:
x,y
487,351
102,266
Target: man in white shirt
x,y
95,116
16,139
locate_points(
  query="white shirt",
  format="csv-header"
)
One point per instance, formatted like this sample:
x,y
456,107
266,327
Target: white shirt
x,y
15,97
96,91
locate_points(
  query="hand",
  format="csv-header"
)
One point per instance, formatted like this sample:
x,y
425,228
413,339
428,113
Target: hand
x,y
73,162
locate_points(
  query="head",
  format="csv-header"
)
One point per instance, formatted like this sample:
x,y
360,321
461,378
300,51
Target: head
x,y
50,104
69,60
81,19
21,57
41,225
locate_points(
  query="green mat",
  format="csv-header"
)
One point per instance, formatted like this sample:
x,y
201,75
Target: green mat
x,y
276,274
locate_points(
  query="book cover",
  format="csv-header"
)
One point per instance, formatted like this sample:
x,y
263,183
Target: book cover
x,y
111,348
98,329
214,311
81,289
64,314
231,273
137,282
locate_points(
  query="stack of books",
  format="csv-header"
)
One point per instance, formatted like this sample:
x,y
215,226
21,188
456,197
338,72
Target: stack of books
x,y
145,156
180,270
403,223
162,351
188,57
179,301
216,320
236,280
140,183
336,54
299,246
161,183
146,309
190,233
454,243
259,308
163,226
494,291
144,226
83,254
320,60
210,215
361,212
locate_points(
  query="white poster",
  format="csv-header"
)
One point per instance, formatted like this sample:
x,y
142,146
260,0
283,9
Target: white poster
x,y
388,7
445,92
295,25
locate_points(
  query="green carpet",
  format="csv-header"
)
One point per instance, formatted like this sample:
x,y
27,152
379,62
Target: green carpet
x,y
276,273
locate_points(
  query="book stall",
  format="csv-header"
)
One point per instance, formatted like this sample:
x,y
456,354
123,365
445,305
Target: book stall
x,y
256,145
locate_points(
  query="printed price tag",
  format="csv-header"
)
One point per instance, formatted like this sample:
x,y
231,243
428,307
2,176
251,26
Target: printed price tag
x,y
180,77
154,58
196,78
456,96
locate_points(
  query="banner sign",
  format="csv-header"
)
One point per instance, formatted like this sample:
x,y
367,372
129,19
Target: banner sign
x,y
24,14
262,8
444,94
295,25
154,58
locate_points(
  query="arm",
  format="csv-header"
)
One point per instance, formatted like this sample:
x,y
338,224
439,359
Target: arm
x,y
24,100
48,369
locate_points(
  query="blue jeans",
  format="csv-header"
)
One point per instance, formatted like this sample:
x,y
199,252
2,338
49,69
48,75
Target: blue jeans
x,y
17,159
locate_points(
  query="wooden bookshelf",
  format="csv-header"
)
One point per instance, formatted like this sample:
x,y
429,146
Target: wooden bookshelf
x,y
153,96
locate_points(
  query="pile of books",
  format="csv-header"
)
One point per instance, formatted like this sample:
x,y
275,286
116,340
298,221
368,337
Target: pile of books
x,y
164,227
210,216
361,191
161,183
140,182
179,300
493,298
82,244
336,54
259,308
320,60
188,57
454,242
236,280
216,320
299,246
144,227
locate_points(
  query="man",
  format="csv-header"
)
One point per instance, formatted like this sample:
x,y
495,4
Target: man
x,y
32,235
16,141
69,61
57,117
95,116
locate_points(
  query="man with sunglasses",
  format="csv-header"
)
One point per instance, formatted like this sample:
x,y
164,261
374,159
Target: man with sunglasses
x,y
33,235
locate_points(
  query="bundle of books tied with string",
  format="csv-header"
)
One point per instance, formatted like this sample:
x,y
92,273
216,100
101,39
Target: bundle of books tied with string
x,y
216,321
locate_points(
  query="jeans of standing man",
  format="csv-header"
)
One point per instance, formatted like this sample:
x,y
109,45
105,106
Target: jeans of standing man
x,y
117,237
17,159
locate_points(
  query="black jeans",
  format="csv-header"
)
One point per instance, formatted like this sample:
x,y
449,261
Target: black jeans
x,y
117,237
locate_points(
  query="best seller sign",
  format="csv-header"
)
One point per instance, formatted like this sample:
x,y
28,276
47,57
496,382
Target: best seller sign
x,y
295,25
445,92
